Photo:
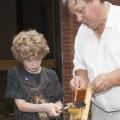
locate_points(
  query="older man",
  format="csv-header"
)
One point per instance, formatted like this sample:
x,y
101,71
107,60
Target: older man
x,y
97,55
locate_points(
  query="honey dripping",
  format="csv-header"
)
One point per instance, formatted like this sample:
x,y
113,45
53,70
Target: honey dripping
x,y
80,95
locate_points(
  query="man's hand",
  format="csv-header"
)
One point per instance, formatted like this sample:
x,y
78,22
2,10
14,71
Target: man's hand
x,y
78,82
103,82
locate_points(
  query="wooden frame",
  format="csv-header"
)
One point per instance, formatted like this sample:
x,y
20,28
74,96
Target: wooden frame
x,y
5,64
83,112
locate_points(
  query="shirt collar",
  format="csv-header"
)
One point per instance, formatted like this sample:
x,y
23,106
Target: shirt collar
x,y
110,18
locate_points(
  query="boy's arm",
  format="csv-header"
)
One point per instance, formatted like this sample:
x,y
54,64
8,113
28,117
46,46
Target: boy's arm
x,y
31,107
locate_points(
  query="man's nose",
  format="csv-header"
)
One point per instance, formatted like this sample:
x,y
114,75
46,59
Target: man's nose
x,y
79,17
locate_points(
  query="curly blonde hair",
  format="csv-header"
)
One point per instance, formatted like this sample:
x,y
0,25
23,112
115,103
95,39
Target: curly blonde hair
x,y
28,44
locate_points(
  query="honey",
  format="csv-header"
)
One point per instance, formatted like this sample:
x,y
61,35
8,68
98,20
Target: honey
x,y
80,95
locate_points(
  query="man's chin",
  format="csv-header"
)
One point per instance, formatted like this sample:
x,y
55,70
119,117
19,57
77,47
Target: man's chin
x,y
93,27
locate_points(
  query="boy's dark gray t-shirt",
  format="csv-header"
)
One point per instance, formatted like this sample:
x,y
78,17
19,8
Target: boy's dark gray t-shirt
x,y
20,83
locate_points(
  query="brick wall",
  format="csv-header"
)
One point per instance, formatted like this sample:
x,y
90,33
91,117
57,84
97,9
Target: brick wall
x,y
69,28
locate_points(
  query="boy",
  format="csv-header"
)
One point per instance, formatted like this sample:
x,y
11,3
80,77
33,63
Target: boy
x,y
35,89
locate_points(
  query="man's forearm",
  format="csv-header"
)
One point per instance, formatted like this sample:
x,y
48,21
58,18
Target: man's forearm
x,y
116,77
